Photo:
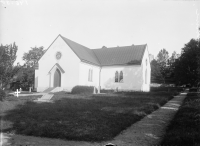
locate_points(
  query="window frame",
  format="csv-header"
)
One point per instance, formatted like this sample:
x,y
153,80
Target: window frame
x,y
121,76
90,75
116,77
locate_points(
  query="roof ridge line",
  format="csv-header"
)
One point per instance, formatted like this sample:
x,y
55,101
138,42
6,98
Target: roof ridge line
x,y
119,47
74,42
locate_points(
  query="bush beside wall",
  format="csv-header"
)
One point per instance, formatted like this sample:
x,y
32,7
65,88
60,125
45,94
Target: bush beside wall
x,y
107,91
83,90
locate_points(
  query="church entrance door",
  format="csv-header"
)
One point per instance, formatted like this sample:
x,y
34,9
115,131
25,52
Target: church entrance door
x,y
57,78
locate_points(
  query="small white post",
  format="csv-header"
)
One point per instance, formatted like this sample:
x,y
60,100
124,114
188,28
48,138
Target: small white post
x,y
99,89
94,92
117,89
20,90
30,89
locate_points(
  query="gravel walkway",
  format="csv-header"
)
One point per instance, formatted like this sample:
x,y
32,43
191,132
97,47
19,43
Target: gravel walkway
x,y
148,131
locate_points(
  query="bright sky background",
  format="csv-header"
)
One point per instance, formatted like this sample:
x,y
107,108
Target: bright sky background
x,y
161,24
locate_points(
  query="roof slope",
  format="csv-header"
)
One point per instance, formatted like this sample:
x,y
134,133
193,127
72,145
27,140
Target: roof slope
x,y
120,55
84,53
127,55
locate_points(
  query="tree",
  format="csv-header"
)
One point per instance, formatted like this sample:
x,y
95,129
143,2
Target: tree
x,y
162,59
186,66
156,76
163,56
198,62
27,71
171,67
7,59
25,76
33,55
173,58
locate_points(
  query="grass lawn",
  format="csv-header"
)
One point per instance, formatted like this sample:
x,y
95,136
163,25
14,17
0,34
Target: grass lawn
x,y
185,127
83,118
13,101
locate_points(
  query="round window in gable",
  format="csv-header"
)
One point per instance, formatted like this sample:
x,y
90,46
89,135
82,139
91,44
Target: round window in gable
x,y
58,55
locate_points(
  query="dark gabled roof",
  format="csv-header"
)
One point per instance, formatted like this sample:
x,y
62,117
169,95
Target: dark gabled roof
x,y
128,55
84,53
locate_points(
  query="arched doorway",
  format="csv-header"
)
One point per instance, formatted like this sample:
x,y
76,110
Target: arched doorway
x,y
57,78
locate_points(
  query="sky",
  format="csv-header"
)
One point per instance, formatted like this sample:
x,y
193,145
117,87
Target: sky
x,y
160,24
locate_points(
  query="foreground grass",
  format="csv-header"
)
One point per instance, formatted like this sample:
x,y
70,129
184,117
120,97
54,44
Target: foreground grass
x,y
93,118
12,101
185,127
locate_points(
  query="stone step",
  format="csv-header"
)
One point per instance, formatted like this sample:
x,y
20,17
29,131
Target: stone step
x,y
45,98
49,89
43,101
57,89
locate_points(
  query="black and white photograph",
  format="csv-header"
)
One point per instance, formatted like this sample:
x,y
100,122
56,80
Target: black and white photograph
x,y
100,73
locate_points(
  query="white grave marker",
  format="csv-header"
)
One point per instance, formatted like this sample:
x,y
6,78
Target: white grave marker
x,y
17,92
30,89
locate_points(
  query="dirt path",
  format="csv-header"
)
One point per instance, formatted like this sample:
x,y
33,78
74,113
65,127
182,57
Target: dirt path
x,y
148,131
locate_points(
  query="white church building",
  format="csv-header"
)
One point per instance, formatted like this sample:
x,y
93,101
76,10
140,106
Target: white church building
x,y
66,64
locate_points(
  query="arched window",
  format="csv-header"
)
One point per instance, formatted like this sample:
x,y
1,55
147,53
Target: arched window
x,y
146,76
116,76
121,76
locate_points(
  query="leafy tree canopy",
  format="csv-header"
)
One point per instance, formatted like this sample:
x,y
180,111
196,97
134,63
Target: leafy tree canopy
x,y
163,56
162,59
26,73
7,59
186,67
156,76
33,55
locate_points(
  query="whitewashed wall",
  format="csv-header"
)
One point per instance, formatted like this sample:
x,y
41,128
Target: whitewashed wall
x,y
132,78
69,63
84,72
146,86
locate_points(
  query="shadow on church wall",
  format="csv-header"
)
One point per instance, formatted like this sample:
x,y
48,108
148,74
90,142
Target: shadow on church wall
x,y
132,79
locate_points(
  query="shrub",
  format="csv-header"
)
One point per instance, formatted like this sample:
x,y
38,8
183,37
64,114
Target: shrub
x,y
2,95
107,91
83,90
